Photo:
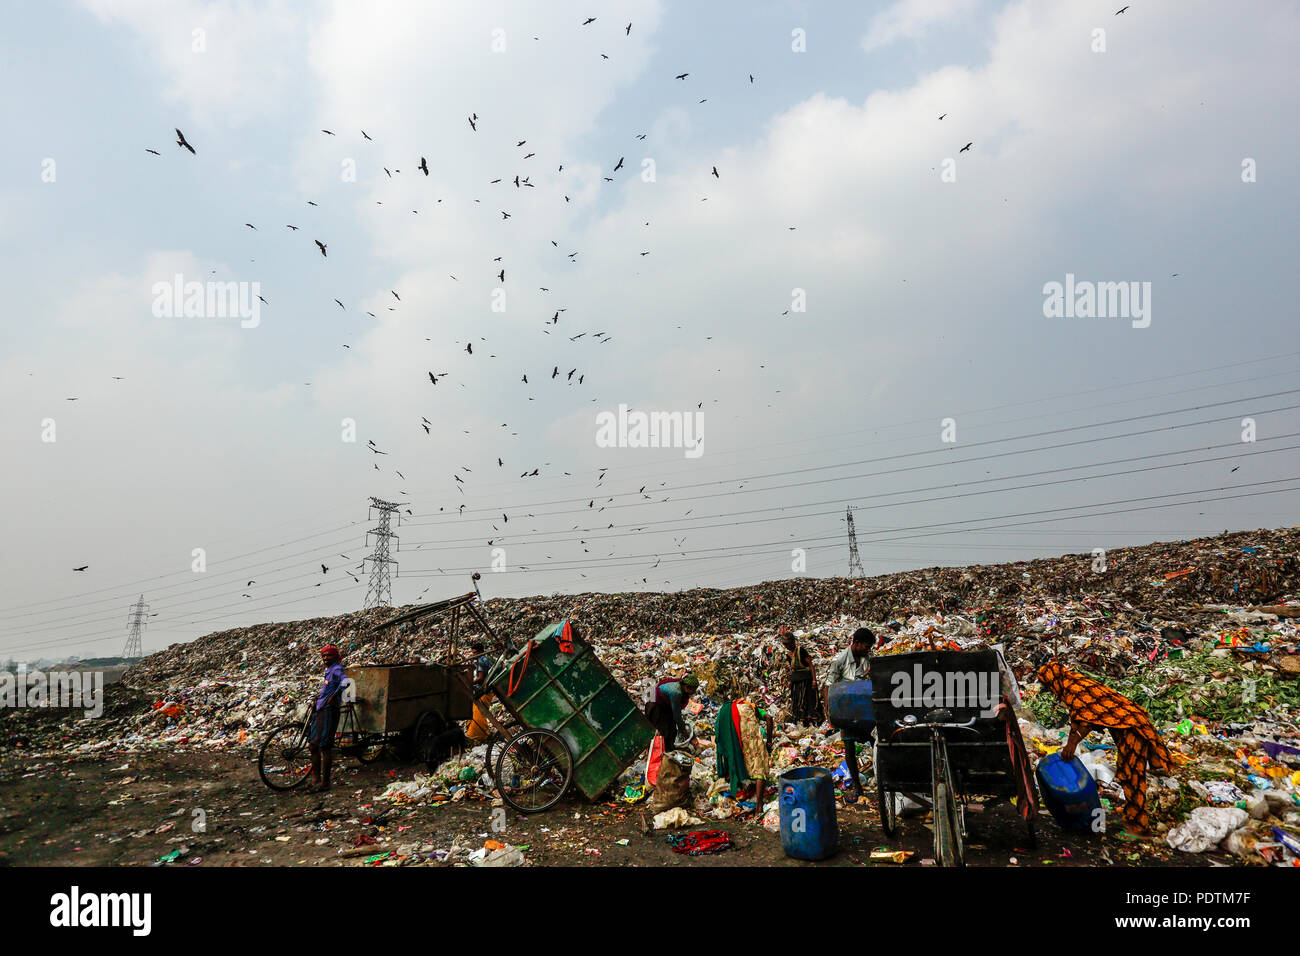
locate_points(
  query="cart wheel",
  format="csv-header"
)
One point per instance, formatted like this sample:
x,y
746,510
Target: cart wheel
x,y
426,732
534,770
948,850
888,818
371,748
284,760
495,740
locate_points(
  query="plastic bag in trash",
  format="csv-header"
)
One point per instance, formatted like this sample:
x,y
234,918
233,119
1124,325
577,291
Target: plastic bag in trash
x,y
676,817
1096,763
1205,828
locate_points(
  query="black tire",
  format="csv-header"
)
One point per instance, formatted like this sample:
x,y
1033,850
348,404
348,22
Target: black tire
x,y
494,744
885,803
947,851
427,729
284,761
534,770
372,750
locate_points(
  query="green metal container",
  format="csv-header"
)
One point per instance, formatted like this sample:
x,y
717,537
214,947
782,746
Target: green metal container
x,y
575,696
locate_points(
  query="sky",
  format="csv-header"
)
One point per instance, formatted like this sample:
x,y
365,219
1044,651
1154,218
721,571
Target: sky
x,y
854,311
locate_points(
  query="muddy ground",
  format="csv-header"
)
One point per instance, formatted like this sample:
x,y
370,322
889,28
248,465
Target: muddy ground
x,y
131,809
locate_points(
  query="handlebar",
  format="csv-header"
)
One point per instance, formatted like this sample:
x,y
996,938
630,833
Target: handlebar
x,y
938,723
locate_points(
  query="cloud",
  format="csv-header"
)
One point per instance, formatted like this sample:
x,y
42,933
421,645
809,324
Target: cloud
x,y
913,19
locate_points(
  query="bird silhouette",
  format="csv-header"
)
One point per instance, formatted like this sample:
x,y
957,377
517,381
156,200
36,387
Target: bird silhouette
x,y
682,76
82,568
423,166
183,142
321,245
154,151
966,147
715,173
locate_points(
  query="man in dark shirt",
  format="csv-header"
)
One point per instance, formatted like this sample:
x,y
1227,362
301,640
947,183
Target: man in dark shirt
x,y
325,720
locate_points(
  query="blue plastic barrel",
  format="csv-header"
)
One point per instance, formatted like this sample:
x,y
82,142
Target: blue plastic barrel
x,y
850,707
809,829
1069,793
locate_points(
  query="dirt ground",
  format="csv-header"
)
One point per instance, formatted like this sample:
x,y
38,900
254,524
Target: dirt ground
x,y
131,809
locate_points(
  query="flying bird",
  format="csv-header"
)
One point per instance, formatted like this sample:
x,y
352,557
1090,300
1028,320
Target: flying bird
x,y
588,20
620,164
966,147
1120,10
366,135
82,568
715,173
941,117
322,247
471,123
682,76
628,31
182,141
287,226
424,167
324,570
154,151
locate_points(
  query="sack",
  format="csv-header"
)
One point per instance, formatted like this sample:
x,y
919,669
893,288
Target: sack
x,y
673,788
656,756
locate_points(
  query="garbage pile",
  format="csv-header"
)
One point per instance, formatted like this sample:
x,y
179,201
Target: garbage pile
x,y
1203,634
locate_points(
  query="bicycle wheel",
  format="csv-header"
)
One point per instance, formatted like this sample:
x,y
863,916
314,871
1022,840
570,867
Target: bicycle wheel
x,y
947,838
283,762
494,743
884,800
534,770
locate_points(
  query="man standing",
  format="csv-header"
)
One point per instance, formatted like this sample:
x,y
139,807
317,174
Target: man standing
x,y
325,720
665,711
852,663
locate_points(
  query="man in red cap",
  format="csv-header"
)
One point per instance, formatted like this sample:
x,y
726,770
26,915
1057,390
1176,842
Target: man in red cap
x,y
325,721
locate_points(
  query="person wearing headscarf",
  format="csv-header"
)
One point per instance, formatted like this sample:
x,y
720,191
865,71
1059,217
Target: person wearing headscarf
x,y
665,711
1138,745
325,720
797,664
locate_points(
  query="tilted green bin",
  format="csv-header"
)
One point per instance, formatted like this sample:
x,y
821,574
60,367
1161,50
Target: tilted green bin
x,y
575,696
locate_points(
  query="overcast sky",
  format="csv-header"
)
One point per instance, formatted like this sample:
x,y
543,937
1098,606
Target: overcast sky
x,y
849,280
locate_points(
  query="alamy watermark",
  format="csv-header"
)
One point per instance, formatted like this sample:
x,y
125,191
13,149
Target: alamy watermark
x,y
932,688
1098,300
69,690
208,300
636,429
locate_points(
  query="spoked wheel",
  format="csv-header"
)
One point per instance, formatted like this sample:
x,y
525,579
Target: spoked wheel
x,y
534,770
947,828
370,747
495,740
884,799
284,762
947,821
885,802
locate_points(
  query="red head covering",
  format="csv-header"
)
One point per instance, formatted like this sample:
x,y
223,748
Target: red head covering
x,y
329,652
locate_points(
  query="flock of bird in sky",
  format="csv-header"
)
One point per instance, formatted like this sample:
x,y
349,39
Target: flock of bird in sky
x,y
519,181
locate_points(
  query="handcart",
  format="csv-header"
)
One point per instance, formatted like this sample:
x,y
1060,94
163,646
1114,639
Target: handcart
x,y
946,731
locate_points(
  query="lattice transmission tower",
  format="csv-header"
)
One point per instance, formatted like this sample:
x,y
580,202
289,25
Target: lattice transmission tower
x,y
379,593
135,624
855,560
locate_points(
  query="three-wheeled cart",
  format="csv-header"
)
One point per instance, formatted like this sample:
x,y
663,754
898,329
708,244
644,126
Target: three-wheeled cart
x,y
576,724
946,731
404,706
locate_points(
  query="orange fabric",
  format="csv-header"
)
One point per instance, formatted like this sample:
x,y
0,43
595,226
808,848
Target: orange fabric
x,y
1138,744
